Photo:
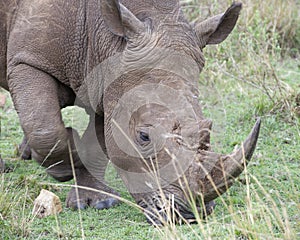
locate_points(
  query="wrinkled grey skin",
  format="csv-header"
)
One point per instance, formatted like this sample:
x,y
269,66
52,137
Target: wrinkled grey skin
x,y
48,52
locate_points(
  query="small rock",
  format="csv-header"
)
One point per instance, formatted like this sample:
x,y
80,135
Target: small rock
x,y
46,204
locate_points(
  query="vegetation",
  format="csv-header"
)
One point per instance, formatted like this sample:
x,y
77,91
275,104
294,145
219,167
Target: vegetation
x,y
255,72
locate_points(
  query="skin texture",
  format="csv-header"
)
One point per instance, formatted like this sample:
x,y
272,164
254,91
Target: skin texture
x,y
134,67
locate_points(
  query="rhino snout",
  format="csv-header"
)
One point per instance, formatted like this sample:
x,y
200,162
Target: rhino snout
x,y
191,196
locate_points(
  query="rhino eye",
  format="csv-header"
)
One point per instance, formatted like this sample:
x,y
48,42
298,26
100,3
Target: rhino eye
x,y
144,137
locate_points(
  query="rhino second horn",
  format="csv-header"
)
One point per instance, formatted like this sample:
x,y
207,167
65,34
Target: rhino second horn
x,y
219,171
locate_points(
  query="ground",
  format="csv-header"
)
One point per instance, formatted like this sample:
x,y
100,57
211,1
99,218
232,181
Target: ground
x,y
263,202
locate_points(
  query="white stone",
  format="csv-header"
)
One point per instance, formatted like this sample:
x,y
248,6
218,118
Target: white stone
x,y
46,204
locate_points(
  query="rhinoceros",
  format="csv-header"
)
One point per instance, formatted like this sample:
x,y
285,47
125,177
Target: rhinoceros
x,y
134,67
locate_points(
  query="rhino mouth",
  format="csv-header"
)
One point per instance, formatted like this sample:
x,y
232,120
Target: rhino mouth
x,y
161,211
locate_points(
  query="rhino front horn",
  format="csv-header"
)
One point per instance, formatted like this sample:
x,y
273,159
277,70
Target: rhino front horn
x,y
218,171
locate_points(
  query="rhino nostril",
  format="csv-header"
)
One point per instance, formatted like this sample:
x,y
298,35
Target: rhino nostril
x,y
176,128
172,210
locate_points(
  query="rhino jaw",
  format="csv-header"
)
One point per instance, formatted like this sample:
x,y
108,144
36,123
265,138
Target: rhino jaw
x,y
217,172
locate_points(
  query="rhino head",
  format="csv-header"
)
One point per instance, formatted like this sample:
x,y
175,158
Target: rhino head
x,y
156,135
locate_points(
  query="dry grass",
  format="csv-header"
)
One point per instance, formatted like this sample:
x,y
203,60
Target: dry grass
x,y
267,32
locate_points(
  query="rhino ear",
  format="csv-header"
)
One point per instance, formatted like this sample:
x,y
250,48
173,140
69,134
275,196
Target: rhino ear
x,y
216,29
119,19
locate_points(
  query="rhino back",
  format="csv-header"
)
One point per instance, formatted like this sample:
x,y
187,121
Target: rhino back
x,y
41,37
63,38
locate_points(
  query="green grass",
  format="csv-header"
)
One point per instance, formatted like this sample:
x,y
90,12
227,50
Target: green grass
x,y
253,73
268,205
263,204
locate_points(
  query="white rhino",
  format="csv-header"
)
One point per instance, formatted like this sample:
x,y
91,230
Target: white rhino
x,y
134,66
